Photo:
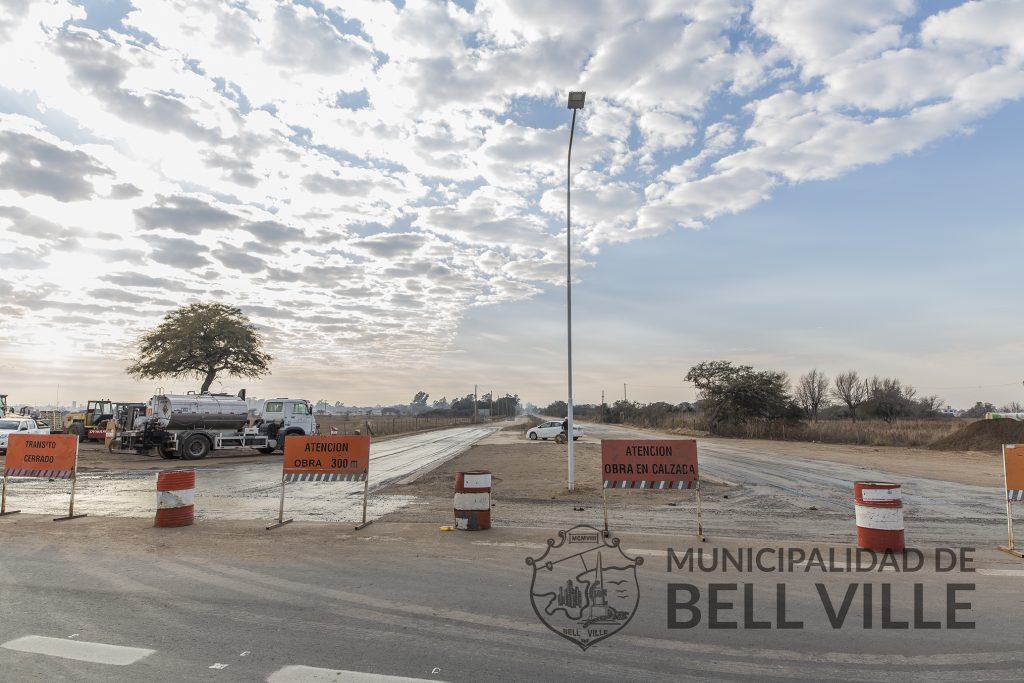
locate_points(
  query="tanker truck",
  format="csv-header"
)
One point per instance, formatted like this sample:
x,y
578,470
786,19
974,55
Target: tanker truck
x,y
189,426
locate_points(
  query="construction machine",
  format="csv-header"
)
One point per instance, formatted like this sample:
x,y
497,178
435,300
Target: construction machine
x,y
90,424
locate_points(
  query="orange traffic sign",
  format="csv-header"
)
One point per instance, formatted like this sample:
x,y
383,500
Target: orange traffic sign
x,y
50,456
326,458
1013,464
650,464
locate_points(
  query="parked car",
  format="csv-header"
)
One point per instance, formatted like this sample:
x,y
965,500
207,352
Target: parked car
x,y
19,425
551,429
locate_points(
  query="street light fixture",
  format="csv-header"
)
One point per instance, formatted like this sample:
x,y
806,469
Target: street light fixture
x,y
576,100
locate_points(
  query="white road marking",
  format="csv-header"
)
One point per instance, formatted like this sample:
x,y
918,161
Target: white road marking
x,y
645,551
218,665
310,674
246,653
81,650
1001,572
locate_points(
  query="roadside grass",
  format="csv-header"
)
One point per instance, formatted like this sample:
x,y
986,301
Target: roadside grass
x,y
906,433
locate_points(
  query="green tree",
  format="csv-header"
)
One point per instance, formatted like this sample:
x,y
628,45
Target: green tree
x,y
734,394
201,340
420,399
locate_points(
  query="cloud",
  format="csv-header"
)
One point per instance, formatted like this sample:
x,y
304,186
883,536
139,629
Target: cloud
x,y
197,146
33,165
239,260
187,215
390,246
101,70
177,252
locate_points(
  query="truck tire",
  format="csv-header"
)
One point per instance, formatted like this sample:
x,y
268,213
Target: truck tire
x,y
195,447
77,429
265,451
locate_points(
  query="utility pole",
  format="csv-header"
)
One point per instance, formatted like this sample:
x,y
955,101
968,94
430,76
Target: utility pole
x,y
475,417
602,397
624,393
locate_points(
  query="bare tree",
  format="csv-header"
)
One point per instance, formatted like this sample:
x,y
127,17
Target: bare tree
x,y
849,389
812,392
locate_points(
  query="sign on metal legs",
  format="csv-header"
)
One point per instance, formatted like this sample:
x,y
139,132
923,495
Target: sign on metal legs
x,y
1013,476
652,464
43,456
325,458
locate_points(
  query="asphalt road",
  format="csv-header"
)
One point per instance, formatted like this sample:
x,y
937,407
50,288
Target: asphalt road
x,y
108,598
117,600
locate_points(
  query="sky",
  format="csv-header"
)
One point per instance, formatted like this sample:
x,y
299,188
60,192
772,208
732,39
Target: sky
x,y
381,187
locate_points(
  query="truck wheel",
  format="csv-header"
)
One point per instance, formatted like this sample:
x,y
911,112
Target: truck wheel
x,y
195,447
265,451
166,453
77,430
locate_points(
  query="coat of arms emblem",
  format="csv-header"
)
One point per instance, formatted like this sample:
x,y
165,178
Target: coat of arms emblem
x,y
584,587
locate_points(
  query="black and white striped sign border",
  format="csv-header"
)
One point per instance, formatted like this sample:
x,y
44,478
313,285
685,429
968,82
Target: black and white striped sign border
x,y
1016,495
324,476
42,474
655,485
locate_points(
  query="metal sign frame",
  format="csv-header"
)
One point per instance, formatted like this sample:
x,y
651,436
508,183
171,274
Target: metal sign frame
x,y
1008,492
297,475
607,484
41,473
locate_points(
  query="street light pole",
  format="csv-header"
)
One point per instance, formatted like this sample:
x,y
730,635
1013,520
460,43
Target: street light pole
x,y
576,100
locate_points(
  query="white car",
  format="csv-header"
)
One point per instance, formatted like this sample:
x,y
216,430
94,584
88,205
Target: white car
x,y
18,425
551,429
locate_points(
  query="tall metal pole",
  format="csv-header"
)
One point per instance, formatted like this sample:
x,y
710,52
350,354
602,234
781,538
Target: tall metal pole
x,y
568,291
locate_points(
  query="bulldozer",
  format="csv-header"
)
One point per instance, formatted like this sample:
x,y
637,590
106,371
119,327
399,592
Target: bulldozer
x,y
90,424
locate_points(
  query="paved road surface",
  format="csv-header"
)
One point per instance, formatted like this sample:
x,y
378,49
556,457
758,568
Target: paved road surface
x,y
117,600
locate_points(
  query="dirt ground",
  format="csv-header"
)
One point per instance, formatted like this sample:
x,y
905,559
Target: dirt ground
x,y
536,470
526,470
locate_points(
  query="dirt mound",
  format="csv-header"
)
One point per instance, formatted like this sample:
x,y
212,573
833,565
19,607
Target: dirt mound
x,y
984,435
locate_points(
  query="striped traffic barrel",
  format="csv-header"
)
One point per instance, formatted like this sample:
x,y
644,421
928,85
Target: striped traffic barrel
x,y
879,510
175,498
473,500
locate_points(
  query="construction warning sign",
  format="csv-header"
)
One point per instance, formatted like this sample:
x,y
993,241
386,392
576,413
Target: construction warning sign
x,y
649,464
50,456
1013,466
326,458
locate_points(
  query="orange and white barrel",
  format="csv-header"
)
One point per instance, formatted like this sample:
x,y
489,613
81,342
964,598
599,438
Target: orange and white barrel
x,y
879,510
175,498
473,500
334,431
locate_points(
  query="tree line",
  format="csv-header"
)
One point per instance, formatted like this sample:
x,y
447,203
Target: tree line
x,y
731,395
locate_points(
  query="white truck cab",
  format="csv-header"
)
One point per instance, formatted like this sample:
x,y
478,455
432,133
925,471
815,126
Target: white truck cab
x,y
292,414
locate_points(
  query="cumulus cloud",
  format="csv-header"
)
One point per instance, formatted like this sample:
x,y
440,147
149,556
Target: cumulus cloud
x,y
35,164
202,147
